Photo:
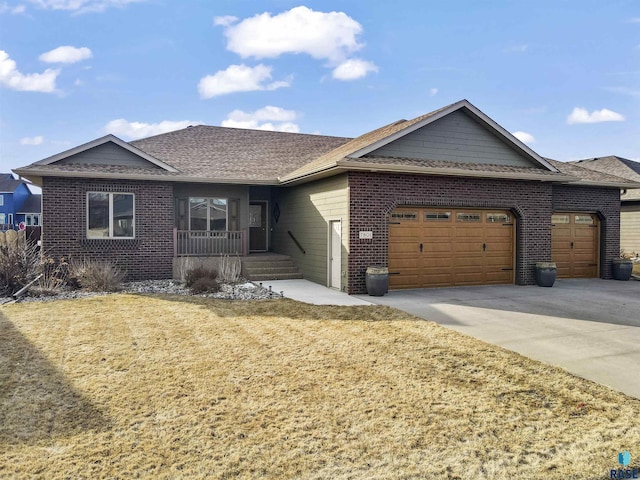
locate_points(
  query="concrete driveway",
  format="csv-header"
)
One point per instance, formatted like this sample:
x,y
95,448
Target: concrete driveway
x,y
589,327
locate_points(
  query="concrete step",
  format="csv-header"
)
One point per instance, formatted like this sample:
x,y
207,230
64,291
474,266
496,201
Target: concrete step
x,y
263,267
271,269
275,276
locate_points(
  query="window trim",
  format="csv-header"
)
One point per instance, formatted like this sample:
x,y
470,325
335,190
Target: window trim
x,y
111,222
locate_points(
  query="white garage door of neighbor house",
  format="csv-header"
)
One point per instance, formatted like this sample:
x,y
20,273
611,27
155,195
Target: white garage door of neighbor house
x,y
441,247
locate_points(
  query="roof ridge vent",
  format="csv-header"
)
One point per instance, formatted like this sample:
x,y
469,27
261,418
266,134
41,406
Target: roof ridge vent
x,y
398,122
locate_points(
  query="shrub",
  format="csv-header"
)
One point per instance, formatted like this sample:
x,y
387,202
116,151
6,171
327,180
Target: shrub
x,y
230,269
96,275
197,273
55,276
205,285
19,265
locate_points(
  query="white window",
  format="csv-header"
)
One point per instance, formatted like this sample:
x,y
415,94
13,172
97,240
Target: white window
x,y
3,219
1,200
110,215
32,219
208,214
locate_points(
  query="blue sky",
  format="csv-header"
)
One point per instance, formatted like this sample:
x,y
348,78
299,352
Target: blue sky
x,y
563,74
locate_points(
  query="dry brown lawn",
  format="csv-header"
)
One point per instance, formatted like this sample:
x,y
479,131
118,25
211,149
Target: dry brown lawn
x,y
125,386
636,268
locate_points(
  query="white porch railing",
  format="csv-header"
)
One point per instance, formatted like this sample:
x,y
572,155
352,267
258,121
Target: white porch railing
x,y
198,243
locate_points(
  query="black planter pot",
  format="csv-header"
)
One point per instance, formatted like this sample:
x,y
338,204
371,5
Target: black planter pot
x,y
545,274
377,281
622,269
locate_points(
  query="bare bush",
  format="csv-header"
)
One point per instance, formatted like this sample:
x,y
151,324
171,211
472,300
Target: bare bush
x,y
55,277
19,265
96,275
197,273
205,285
230,269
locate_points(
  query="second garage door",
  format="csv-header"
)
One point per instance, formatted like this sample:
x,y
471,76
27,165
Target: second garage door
x,y
431,247
574,244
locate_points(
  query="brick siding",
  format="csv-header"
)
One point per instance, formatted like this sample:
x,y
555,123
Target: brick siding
x,y
148,256
374,195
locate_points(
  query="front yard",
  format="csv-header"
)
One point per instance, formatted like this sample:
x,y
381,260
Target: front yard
x,y
125,386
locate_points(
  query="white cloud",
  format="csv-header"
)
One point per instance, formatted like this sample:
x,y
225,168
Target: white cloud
x,y
82,6
517,49
66,54
239,78
224,20
581,115
624,91
32,140
353,69
134,130
17,10
268,115
34,82
433,91
524,137
322,35
634,20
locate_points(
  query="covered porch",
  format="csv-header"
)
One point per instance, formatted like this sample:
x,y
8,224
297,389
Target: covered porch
x,y
220,219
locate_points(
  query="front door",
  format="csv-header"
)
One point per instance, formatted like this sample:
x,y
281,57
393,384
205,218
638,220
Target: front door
x,y
258,226
335,254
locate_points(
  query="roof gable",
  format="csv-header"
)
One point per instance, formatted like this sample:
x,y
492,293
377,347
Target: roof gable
x,y
456,137
107,150
369,142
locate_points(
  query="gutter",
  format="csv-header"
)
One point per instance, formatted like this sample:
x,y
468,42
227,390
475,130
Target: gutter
x,y
133,176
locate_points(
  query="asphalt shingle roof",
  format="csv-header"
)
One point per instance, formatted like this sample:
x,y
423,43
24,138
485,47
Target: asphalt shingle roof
x,y
234,153
618,166
8,184
445,164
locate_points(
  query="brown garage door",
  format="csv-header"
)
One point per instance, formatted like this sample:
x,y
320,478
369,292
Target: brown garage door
x,y
433,247
574,244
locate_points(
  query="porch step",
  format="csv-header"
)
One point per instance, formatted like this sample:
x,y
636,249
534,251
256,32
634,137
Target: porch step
x,y
269,266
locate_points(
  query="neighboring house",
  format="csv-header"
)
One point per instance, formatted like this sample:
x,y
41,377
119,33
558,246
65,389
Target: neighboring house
x,y
448,198
630,199
17,204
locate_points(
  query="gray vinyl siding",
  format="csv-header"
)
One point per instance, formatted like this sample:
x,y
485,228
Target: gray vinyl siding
x,y
306,210
455,138
107,154
630,228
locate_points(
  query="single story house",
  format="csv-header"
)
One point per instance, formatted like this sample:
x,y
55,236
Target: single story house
x,y
448,198
630,199
18,205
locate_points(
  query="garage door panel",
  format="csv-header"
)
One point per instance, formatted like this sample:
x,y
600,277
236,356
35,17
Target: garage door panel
x,y
438,232
437,248
408,262
404,248
437,262
574,245
452,248
468,261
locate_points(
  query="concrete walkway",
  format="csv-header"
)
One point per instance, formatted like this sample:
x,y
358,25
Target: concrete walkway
x,y
309,292
589,327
